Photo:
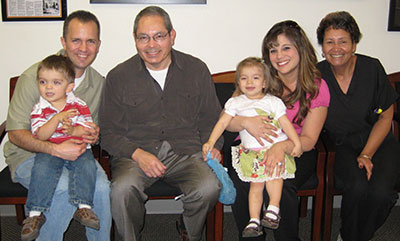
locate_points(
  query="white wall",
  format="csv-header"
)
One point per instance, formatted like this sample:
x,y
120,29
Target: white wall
x,y
222,32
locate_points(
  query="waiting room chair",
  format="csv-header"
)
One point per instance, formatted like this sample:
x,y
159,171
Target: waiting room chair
x,y
11,193
331,191
312,188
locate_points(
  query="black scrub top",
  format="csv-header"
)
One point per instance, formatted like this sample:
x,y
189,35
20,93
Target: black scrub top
x,y
369,91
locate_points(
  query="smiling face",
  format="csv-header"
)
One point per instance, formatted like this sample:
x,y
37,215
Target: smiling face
x,y
155,54
251,82
53,87
285,58
81,44
338,47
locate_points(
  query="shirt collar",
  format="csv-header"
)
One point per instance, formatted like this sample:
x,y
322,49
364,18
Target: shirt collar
x,y
45,104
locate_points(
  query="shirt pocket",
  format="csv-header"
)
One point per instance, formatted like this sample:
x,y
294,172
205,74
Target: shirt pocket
x,y
136,107
189,103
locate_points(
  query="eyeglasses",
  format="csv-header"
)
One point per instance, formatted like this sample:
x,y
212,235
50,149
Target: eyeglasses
x,y
158,37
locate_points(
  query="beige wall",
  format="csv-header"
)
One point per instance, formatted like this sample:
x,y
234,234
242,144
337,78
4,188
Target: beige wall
x,y
222,32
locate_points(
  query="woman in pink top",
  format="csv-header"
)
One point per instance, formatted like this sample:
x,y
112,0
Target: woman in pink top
x,y
292,60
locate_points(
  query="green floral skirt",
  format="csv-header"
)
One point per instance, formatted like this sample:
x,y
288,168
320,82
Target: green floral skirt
x,y
250,167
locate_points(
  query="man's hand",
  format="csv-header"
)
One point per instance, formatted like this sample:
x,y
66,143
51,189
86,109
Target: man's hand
x,y
259,127
69,150
91,135
149,163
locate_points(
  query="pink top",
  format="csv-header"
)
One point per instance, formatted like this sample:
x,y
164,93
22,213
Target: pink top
x,y
322,99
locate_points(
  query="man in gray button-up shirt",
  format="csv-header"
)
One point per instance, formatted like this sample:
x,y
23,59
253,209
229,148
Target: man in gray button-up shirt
x,y
158,108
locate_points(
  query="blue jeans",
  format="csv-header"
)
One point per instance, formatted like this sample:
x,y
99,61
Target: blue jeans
x,y
61,211
46,172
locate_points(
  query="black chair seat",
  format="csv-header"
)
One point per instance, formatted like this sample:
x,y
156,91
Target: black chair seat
x,y
9,188
162,189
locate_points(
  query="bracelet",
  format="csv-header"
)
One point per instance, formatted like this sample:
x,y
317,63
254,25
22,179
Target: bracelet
x,y
365,156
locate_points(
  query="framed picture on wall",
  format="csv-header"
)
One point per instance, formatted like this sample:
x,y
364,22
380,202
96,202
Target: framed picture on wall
x,y
34,10
394,16
152,1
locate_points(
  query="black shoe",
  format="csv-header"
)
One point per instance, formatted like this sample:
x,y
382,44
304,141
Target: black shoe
x,y
180,227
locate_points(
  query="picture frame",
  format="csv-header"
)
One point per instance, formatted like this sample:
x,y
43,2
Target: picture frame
x,y
394,16
152,1
33,10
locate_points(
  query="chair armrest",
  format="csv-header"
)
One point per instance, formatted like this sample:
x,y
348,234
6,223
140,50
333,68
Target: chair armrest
x,y
330,160
321,159
2,131
329,147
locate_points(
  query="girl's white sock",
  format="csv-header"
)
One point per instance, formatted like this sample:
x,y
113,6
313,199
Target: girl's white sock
x,y
253,224
274,209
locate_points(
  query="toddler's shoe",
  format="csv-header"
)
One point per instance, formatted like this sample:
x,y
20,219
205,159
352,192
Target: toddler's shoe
x,y
87,217
31,227
272,223
253,229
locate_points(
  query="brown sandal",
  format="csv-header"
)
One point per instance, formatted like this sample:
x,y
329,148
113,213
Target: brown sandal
x,y
31,228
251,231
270,222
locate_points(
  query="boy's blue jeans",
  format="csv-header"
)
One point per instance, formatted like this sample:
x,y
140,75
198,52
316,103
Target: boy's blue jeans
x,y
61,211
46,173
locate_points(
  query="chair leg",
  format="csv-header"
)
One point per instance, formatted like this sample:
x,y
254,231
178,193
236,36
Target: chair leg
x,y
303,207
219,216
210,225
19,209
328,217
317,217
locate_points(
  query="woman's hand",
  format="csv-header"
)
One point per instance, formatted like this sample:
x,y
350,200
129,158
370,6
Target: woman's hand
x,y
275,157
378,133
259,127
365,162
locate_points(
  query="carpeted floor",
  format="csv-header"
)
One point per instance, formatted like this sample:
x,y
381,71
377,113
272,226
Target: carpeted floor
x,y
162,228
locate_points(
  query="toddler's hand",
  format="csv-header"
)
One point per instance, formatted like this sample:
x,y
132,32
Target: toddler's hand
x,y
207,147
67,126
297,151
66,114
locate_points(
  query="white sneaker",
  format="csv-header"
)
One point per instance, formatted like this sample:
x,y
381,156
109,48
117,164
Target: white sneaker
x,y
339,238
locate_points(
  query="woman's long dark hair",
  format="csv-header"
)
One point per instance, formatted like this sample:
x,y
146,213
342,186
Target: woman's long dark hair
x,y
309,76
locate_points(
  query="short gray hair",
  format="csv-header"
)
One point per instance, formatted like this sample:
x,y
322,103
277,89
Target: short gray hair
x,y
153,11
